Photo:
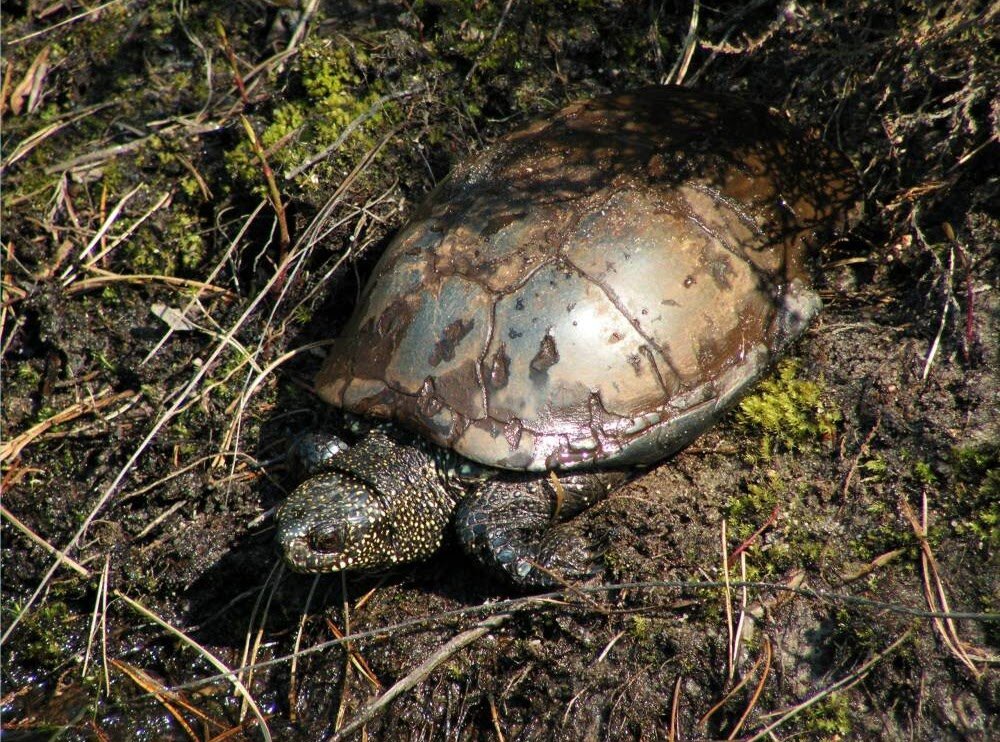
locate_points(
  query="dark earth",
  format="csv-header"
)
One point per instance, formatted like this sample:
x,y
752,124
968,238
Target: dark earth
x,y
193,196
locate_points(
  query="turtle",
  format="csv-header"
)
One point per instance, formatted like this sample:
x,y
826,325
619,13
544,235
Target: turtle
x,y
570,307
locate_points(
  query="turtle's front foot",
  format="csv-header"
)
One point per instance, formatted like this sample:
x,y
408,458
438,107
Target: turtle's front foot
x,y
519,530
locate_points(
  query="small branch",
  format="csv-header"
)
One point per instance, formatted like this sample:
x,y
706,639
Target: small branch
x,y
35,538
241,689
12,448
842,684
420,673
272,185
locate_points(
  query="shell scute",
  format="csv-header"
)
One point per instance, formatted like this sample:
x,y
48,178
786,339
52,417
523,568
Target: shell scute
x,y
596,288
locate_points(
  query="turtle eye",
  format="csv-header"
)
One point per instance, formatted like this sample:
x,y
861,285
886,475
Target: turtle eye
x,y
329,540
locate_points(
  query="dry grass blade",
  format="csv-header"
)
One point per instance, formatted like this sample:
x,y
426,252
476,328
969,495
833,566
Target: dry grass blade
x,y
106,278
35,538
679,72
735,689
68,275
24,148
30,87
65,21
842,684
166,698
180,399
357,661
675,709
728,598
274,194
420,672
99,600
252,647
766,657
239,405
163,200
12,448
937,597
209,657
293,675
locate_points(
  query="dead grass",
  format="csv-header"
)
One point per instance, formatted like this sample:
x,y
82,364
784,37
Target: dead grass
x,y
139,454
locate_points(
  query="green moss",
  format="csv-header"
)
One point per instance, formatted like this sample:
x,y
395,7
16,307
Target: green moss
x,y
829,719
746,511
639,628
28,374
976,473
924,473
329,92
875,469
788,413
48,630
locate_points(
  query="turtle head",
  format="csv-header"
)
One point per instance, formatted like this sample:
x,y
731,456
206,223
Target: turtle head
x,y
338,521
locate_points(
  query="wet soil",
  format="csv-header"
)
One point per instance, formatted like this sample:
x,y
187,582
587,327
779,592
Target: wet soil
x,y
156,361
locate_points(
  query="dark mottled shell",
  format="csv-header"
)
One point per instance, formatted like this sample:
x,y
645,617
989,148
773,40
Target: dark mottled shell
x,y
597,287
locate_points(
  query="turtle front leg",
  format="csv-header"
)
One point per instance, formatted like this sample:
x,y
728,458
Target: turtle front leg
x,y
311,453
518,528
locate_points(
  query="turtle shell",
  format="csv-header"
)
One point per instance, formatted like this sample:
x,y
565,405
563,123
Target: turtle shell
x,y
598,287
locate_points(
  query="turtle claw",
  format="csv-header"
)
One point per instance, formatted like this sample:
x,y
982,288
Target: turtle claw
x,y
566,554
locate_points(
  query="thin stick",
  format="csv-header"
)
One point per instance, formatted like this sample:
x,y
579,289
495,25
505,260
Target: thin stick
x,y
731,661
420,673
12,448
211,658
35,538
842,684
757,691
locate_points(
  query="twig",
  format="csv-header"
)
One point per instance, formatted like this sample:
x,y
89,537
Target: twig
x,y
349,129
679,71
12,448
272,185
771,520
768,652
935,594
36,539
544,600
490,43
64,22
114,150
420,673
211,658
842,684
